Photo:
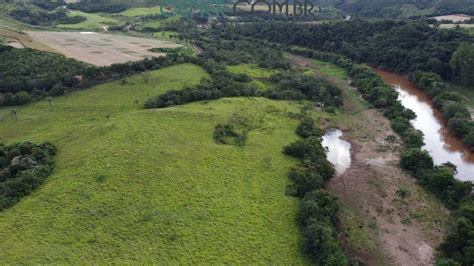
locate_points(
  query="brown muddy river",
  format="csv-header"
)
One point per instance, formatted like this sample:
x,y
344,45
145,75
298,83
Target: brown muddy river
x,y
439,142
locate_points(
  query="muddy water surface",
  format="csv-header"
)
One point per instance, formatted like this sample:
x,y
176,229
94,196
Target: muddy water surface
x,y
439,141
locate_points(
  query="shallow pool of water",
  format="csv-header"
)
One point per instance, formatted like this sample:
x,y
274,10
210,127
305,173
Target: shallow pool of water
x,y
339,150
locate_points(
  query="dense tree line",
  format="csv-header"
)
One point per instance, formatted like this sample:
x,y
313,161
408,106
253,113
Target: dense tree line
x,y
318,207
426,54
39,17
400,46
396,8
449,103
23,168
462,64
459,245
219,51
27,75
238,50
97,6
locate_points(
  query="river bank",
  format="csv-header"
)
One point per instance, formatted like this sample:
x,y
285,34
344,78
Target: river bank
x,y
439,141
379,227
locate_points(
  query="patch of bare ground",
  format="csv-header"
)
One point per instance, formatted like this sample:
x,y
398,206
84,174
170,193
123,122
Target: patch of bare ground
x,y
380,226
100,49
21,39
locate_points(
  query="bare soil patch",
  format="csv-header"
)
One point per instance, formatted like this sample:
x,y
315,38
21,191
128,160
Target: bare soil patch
x,y
22,39
388,229
453,26
454,17
100,49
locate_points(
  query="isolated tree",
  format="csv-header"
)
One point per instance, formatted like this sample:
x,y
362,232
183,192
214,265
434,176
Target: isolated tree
x,y
414,159
462,63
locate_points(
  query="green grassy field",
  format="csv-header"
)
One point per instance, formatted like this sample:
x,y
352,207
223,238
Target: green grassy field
x,y
171,195
141,11
258,74
469,31
251,70
93,22
165,35
157,23
329,69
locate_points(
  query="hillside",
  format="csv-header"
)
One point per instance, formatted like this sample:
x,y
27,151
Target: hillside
x,y
401,8
133,185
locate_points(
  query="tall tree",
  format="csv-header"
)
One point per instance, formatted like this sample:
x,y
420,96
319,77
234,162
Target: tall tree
x,y
462,64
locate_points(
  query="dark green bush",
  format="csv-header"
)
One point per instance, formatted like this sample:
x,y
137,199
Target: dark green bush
x,y
415,159
23,168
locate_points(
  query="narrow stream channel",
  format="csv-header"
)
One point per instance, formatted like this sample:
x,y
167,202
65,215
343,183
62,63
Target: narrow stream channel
x,y
439,141
339,153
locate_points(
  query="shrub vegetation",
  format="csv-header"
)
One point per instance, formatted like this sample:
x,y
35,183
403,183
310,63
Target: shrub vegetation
x,y
23,168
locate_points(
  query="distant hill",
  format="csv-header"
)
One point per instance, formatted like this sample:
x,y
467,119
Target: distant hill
x,y
400,8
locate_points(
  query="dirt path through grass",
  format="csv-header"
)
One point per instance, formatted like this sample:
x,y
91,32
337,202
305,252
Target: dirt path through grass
x,y
379,226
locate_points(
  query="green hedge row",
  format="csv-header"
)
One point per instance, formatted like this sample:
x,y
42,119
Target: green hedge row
x,y
318,207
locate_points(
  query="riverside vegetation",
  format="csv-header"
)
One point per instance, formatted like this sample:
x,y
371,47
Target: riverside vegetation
x,y
199,160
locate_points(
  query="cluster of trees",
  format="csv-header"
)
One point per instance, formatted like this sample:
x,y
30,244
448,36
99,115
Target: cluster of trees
x,y
459,245
223,48
227,134
94,7
288,86
318,207
449,103
144,19
446,7
228,48
39,17
399,46
23,168
27,75
221,84
426,54
307,86
462,64
179,50
48,5
400,8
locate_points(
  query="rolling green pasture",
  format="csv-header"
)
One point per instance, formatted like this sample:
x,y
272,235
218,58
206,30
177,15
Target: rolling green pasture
x,y
166,35
151,186
157,23
258,74
328,69
469,31
94,21
251,70
141,11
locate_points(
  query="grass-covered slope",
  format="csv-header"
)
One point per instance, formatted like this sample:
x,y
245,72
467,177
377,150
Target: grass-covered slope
x,y
95,21
141,11
133,185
